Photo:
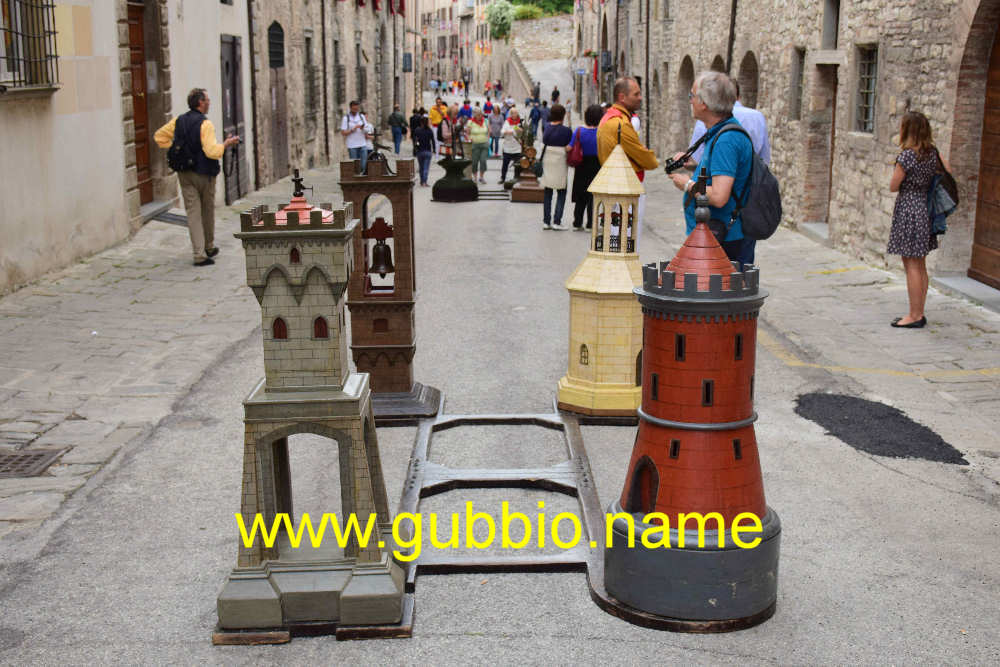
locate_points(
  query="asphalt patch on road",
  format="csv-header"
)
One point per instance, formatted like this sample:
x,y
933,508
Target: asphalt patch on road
x,y
876,428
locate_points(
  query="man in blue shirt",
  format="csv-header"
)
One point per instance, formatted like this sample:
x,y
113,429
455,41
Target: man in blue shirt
x,y
728,163
755,124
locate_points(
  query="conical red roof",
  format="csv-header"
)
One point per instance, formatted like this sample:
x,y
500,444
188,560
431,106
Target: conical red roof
x,y
703,255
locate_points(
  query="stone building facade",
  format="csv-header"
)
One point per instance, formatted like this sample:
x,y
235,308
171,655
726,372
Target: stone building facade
x,y
310,60
83,87
81,99
834,80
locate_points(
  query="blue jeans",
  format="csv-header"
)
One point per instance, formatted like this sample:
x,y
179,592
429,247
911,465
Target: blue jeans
x,y
746,252
507,159
424,160
494,145
397,137
547,206
359,153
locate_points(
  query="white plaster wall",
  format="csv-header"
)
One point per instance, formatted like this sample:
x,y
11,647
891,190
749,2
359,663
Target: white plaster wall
x,y
196,28
61,160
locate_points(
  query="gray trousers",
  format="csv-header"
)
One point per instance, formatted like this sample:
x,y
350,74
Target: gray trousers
x,y
198,191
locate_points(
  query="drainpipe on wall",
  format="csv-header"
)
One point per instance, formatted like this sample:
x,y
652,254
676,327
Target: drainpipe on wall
x,y
326,119
648,84
253,95
732,38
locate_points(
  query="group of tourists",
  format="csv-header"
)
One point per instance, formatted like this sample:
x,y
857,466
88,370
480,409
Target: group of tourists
x,y
497,127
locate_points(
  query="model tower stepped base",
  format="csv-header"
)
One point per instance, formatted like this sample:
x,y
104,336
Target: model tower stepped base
x,y
298,265
605,322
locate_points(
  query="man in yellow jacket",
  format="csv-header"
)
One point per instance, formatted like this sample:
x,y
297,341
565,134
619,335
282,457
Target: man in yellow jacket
x,y
616,128
434,116
197,177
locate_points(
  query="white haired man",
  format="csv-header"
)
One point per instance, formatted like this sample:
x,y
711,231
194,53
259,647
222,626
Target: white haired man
x,y
727,161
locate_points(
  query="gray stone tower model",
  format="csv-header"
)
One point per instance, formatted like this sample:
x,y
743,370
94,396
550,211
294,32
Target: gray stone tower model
x,y
298,263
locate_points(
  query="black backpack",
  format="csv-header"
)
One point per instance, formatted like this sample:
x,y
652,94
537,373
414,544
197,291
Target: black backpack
x,y
760,208
179,157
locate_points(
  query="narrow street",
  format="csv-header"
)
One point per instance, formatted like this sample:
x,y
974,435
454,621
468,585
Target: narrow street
x,y
137,363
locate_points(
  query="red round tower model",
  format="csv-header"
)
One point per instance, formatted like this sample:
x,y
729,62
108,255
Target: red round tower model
x,y
709,558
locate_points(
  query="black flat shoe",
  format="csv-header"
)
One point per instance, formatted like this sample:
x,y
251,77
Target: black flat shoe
x,y
918,324
208,261
212,252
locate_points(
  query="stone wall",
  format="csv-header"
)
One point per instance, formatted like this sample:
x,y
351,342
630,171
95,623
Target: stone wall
x,y
63,167
931,57
547,38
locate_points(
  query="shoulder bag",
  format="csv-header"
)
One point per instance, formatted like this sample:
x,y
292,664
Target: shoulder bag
x,y
575,156
942,198
537,169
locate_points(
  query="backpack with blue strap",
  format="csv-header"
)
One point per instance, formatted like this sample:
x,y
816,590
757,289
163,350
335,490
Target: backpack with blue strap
x,y
759,208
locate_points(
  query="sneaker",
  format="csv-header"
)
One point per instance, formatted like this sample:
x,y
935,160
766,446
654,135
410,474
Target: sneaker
x,y
578,229
500,182
546,225
560,227
213,252
208,261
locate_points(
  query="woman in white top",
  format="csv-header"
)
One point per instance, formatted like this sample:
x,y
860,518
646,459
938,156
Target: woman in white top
x,y
510,144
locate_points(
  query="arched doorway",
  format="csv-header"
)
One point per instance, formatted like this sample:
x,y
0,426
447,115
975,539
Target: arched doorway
x,y
682,106
644,487
974,228
748,80
718,64
279,104
985,263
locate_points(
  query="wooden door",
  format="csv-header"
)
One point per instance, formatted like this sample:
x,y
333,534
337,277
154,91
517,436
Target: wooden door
x,y
986,237
234,162
137,61
279,104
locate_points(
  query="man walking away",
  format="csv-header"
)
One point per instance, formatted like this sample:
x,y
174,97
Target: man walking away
x,y
534,116
353,130
195,136
423,148
728,161
755,124
397,122
545,112
414,124
616,127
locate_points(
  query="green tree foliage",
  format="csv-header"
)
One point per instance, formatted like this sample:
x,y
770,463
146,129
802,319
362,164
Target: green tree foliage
x,y
547,7
500,15
522,12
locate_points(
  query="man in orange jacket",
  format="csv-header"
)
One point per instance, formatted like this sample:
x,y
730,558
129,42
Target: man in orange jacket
x,y
616,128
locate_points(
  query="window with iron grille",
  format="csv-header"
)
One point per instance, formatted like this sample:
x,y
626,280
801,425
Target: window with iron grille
x,y
28,44
867,80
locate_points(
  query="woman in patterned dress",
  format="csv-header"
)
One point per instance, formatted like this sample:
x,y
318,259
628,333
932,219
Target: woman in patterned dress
x,y
911,235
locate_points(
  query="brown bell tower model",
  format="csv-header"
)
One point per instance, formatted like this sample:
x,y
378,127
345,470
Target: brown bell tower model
x,y
382,289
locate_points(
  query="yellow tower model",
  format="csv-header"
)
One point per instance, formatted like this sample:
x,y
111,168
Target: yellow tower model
x,y
605,320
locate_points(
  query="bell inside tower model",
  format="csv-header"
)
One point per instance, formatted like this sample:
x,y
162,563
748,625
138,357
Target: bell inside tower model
x,y
705,554
382,290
